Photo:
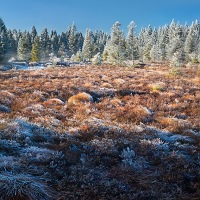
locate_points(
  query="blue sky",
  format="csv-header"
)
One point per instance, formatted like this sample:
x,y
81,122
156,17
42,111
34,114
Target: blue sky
x,y
95,14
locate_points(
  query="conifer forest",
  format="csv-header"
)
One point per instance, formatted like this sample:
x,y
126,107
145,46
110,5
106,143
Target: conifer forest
x,y
100,116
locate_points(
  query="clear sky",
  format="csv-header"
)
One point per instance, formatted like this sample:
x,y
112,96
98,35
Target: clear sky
x,y
95,14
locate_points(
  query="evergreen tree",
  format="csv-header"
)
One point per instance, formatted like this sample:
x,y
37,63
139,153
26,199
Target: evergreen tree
x,y
177,62
191,44
148,43
62,52
3,42
155,53
54,42
45,44
63,40
87,46
100,39
12,45
96,42
103,37
131,43
36,50
73,58
72,39
33,34
198,53
96,60
141,43
79,56
163,40
79,39
176,39
24,47
68,32
105,52
175,43
116,46
177,59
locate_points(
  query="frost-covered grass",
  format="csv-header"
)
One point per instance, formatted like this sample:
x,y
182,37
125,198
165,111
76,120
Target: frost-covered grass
x,y
23,186
137,137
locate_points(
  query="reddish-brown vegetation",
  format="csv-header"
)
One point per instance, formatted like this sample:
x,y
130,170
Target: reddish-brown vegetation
x,y
104,132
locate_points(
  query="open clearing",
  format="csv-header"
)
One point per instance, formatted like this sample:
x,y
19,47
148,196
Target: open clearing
x,y
103,132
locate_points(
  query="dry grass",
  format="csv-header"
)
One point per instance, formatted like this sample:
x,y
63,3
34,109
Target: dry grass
x,y
103,132
79,99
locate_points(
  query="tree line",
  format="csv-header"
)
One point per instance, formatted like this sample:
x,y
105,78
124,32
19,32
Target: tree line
x,y
176,43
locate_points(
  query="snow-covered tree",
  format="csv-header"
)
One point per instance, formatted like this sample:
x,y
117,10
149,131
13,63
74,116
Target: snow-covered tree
x,y
78,56
96,60
54,42
24,47
198,53
163,40
105,52
177,59
176,39
72,39
88,45
33,34
73,58
155,53
79,39
116,46
63,52
131,43
191,44
3,42
174,42
12,45
148,43
63,40
45,44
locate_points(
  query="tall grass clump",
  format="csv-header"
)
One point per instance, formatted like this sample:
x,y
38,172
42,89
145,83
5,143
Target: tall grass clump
x,y
23,187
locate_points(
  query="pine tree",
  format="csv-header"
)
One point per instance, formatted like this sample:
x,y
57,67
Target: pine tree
x,y
63,52
96,42
100,39
79,39
87,46
148,43
63,39
116,46
131,43
103,37
45,44
33,34
105,52
141,43
73,58
176,39
177,59
198,54
54,42
3,42
24,47
163,40
191,44
72,39
12,45
96,60
79,56
155,53
36,50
